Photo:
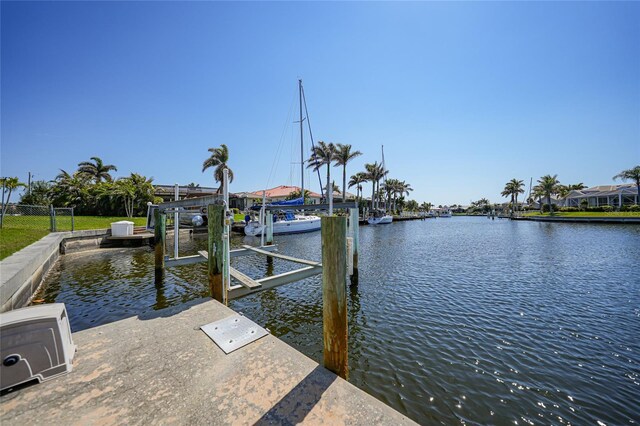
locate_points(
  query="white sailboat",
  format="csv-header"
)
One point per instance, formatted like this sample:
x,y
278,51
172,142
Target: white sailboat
x,y
380,217
285,221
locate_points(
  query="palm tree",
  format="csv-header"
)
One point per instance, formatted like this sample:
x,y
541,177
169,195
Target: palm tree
x,y
631,174
296,194
323,154
405,188
513,188
518,188
390,190
70,190
125,189
335,188
412,205
396,188
134,191
39,194
426,206
508,192
482,204
96,170
9,184
375,172
218,159
356,180
548,185
576,186
342,156
62,175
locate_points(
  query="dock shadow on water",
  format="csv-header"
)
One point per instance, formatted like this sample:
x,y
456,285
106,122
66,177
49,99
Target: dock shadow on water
x,y
453,320
294,407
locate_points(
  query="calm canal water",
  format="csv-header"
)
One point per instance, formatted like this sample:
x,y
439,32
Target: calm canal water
x,y
454,320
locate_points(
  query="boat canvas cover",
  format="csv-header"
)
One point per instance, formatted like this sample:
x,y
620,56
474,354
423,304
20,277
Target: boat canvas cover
x,y
285,203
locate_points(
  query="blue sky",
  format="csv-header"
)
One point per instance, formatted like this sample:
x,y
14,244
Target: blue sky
x,y
463,96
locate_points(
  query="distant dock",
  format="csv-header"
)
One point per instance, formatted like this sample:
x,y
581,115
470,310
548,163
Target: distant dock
x,y
618,220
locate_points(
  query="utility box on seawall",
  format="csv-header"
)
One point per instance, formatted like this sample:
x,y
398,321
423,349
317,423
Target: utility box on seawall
x,y
123,228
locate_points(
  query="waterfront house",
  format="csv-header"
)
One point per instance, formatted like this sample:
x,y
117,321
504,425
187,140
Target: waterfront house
x,y
282,192
244,200
167,192
604,195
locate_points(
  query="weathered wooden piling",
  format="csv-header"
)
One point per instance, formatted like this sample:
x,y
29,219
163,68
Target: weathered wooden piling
x,y
334,298
160,236
215,217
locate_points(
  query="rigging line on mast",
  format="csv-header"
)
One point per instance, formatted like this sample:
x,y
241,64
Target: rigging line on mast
x,y
313,146
278,153
384,169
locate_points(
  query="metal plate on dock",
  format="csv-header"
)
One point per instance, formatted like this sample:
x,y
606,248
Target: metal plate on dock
x,y
234,332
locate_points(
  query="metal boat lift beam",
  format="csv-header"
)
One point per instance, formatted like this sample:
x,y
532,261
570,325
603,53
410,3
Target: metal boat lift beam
x,y
249,285
282,256
274,281
349,205
191,202
202,256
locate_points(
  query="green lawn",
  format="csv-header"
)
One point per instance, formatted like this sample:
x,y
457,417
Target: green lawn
x,y
19,231
586,214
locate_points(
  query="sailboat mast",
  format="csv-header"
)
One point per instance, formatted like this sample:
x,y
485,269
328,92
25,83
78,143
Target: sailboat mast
x,y
301,144
383,169
384,178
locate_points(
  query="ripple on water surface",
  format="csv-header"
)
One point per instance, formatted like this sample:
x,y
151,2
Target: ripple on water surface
x,y
453,320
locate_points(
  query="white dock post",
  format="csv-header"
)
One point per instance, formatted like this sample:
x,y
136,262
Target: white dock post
x,y
330,197
350,256
261,219
227,230
176,222
269,227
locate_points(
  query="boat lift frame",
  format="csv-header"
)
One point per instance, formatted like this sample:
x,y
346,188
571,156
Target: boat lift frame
x,y
222,226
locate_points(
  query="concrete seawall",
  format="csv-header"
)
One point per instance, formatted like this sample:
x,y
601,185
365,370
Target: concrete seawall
x,y
630,220
22,273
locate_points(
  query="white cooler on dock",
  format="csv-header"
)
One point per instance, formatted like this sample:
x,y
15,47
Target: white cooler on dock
x,y
123,228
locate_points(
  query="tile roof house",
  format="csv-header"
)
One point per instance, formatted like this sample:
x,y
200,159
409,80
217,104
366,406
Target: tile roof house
x,y
282,192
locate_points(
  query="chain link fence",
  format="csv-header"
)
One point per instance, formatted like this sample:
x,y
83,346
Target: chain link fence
x,y
55,219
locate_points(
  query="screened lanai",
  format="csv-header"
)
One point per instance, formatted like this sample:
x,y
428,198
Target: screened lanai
x,y
604,195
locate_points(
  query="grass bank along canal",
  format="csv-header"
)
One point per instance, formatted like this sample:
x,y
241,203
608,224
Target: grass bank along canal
x,y
453,319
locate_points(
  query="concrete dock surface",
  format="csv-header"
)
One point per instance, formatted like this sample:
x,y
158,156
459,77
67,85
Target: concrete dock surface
x,y
160,368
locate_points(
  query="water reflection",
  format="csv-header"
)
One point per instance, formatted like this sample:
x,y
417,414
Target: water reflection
x,y
161,299
269,268
461,319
